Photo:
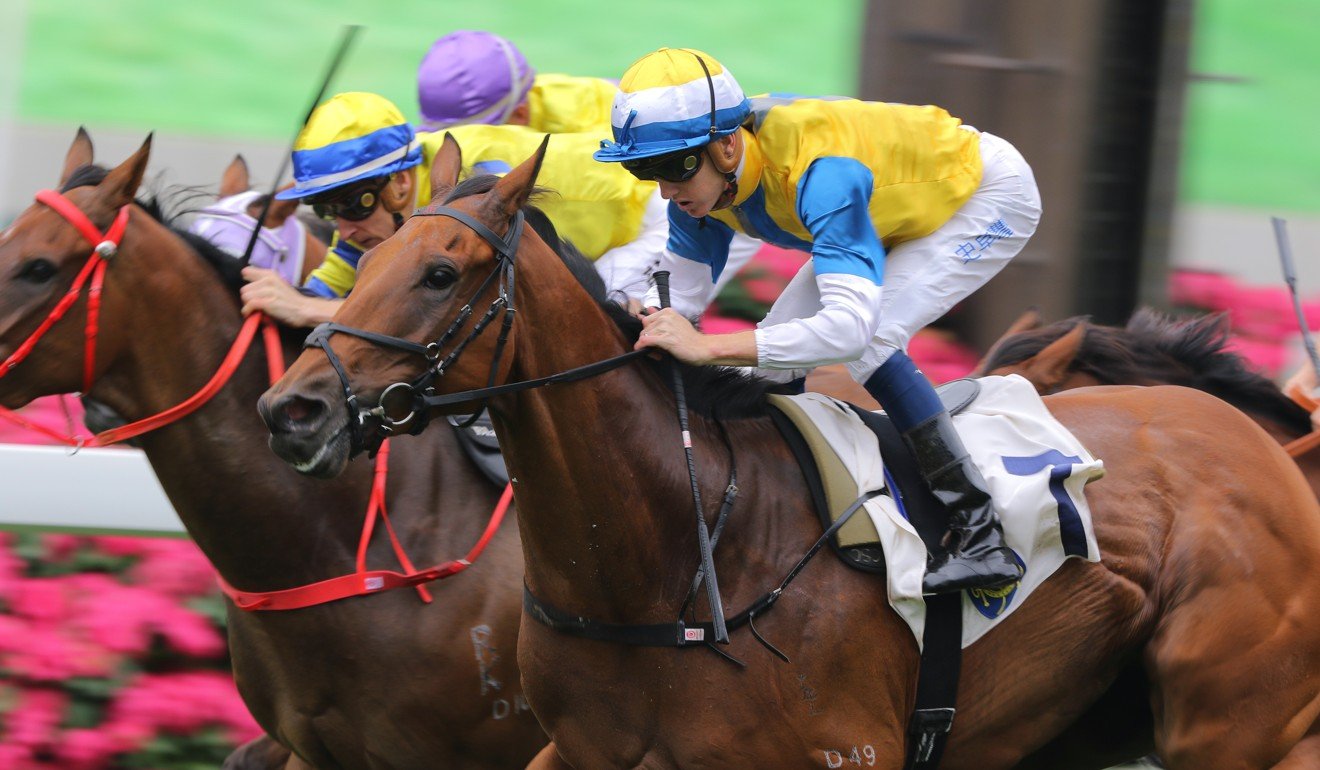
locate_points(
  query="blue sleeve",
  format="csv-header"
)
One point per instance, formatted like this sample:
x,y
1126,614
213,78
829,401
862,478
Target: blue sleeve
x,y
700,240
832,202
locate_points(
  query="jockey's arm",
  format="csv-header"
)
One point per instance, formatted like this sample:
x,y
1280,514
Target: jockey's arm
x,y
830,322
835,322
1303,388
627,269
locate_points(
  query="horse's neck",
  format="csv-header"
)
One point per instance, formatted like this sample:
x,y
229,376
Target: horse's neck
x,y
604,499
251,513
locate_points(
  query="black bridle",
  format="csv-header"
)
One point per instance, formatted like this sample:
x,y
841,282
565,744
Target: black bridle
x,y
410,403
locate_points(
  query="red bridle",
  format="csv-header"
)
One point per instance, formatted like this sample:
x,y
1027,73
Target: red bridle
x,y
92,275
360,582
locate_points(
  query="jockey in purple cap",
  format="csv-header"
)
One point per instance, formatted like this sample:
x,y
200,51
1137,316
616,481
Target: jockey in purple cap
x,y
471,76
474,77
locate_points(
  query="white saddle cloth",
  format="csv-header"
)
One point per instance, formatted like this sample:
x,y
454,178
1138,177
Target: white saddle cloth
x,y
1036,470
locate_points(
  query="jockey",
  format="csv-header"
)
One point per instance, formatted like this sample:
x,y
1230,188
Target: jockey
x,y
358,162
879,194
476,77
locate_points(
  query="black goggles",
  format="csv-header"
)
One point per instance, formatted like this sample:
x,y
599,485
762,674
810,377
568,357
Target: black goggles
x,y
353,204
674,167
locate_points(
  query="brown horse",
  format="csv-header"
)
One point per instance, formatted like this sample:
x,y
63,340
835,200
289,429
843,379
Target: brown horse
x,y
1196,635
1153,349
366,682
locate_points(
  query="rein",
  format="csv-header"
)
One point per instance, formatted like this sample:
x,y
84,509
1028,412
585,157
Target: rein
x,y
92,275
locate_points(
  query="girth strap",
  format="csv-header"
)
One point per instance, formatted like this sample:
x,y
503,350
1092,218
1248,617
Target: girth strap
x,y
679,633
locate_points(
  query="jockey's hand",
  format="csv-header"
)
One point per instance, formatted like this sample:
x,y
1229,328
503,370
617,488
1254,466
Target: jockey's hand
x,y
1303,388
266,292
667,330
634,307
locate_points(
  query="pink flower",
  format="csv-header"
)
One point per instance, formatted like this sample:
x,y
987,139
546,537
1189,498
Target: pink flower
x,y
175,568
34,722
713,324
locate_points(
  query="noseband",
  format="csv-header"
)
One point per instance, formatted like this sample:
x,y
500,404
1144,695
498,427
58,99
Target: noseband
x,y
403,402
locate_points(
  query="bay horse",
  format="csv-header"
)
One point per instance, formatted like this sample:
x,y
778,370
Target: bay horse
x,y
366,682
1153,349
1196,635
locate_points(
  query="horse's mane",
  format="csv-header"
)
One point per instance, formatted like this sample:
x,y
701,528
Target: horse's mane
x,y
712,391
155,204
1158,348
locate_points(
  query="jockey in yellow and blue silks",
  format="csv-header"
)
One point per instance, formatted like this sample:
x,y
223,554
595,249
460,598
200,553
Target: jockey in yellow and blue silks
x,y
881,195
357,161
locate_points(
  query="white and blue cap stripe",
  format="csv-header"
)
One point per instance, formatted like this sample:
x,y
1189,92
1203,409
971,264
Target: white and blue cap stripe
x,y
664,105
352,137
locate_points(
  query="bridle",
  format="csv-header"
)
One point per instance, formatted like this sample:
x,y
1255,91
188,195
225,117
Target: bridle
x,y
92,275
405,395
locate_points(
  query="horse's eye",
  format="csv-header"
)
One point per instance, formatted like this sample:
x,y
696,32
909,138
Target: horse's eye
x,y
440,278
37,271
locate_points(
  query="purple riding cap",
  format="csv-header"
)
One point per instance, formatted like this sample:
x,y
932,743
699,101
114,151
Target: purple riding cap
x,y
227,224
471,76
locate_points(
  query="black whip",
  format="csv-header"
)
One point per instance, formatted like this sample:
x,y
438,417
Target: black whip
x,y
718,627
345,40
1290,278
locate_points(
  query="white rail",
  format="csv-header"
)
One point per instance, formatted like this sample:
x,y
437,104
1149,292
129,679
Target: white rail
x,y
103,490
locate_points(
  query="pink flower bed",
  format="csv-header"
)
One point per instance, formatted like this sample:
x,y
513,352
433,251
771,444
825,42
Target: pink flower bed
x,y
1264,323
112,654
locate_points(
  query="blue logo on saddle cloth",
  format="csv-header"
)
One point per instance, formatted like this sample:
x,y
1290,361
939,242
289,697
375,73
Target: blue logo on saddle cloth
x,y
993,602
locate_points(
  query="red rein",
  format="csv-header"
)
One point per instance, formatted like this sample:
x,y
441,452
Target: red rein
x,y
359,583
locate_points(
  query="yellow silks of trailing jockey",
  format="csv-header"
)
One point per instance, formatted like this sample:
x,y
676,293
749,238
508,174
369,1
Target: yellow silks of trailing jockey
x,y
597,206
565,104
925,164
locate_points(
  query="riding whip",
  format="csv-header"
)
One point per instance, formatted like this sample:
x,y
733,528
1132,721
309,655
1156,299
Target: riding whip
x,y
345,40
1290,277
718,627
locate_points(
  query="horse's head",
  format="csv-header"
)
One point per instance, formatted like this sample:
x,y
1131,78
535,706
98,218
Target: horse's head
x,y
42,256
435,302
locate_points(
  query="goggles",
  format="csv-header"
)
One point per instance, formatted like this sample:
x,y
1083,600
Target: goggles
x,y
354,203
674,167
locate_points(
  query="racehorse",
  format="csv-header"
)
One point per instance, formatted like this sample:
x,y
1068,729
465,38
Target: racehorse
x,y
366,682
1153,349
1196,635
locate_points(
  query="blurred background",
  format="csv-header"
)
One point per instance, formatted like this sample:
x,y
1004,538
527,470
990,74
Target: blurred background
x,y
1164,135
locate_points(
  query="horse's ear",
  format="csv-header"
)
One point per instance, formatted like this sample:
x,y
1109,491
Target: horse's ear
x,y
511,192
280,211
1048,369
1029,320
79,155
444,169
235,178
121,184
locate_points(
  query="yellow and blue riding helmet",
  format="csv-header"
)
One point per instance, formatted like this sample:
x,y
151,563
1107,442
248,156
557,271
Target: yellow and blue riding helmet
x,y
672,100
353,137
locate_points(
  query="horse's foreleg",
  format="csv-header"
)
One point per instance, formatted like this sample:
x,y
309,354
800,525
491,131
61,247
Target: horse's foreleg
x,y
258,754
548,759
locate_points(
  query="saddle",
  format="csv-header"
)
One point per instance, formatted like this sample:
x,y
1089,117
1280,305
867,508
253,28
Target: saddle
x,y
832,488
481,446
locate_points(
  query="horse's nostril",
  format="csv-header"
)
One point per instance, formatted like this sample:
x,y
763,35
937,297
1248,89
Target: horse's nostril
x,y
296,413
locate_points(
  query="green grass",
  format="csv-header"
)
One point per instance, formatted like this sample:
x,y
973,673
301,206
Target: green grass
x,y
246,68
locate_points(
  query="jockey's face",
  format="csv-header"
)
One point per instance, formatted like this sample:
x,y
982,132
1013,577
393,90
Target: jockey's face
x,y
699,195
367,233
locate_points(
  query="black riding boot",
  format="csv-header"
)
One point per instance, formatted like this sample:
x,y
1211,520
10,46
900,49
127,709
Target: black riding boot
x,y
974,554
